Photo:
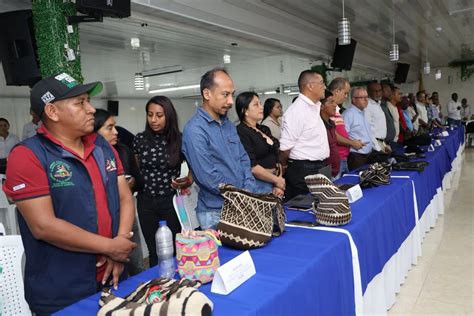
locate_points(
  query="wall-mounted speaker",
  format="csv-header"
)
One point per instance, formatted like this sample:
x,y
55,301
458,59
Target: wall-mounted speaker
x,y
343,55
18,48
113,107
401,73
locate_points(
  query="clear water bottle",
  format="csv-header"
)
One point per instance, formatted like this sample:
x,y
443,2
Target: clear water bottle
x,y
164,251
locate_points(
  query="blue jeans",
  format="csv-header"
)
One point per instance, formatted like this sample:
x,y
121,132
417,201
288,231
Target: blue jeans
x,y
209,219
342,169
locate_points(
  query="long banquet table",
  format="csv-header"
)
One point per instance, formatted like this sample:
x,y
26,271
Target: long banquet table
x,y
353,269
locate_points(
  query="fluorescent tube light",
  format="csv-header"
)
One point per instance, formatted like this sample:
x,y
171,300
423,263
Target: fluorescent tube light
x,y
193,86
162,71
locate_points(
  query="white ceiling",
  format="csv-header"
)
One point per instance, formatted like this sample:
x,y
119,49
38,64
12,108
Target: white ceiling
x,y
195,34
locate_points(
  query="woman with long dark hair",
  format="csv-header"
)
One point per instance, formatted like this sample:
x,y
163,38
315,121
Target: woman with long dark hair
x,y
272,113
260,145
104,125
158,152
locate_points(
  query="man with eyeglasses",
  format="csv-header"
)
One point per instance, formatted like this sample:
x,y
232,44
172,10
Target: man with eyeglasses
x,y
304,144
213,149
358,127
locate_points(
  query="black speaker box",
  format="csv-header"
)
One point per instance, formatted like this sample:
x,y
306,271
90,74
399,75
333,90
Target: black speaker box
x,y
113,107
401,73
343,55
111,8
18,48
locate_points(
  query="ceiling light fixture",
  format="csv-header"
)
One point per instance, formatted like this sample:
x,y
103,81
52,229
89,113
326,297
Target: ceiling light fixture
x,y
426,65
344,29
427,68
394,52
270,92
293,93
139,81
226,59
193,86
135,42
438,74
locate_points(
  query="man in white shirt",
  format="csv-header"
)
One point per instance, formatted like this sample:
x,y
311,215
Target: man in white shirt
x,y
7,139
454,110
466,110
374,114
30,128
304,144
421,109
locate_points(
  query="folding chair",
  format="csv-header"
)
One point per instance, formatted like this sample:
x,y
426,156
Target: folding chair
x,y
11,280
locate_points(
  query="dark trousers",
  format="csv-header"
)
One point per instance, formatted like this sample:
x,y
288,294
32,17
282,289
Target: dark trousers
x,y
152,210
295,173
356,160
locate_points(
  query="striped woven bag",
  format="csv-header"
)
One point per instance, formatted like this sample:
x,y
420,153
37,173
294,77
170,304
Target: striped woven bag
x,y
331,206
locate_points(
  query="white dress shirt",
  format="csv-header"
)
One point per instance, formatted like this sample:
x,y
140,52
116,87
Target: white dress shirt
x,y
6,144
453,112
29,130
422,113
303,131
376,118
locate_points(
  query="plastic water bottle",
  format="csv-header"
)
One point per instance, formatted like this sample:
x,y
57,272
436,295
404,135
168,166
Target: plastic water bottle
x,y
164,251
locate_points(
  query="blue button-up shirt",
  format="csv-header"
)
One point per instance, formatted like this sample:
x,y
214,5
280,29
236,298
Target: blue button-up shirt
x,y
358,128
215,155
408,120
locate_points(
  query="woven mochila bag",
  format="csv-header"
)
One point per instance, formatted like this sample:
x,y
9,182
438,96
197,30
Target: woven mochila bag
x,y
248,220
331,205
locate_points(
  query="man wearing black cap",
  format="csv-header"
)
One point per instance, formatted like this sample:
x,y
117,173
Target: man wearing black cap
x,y
76,210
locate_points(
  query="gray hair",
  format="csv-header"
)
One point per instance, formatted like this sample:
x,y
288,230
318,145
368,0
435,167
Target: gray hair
x,y
355,89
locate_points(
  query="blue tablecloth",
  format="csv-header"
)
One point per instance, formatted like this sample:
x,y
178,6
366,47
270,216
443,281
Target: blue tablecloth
x,y
381,221
310,271
303,272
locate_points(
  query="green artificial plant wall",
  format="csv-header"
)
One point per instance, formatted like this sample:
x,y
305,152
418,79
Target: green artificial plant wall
x,y
51,32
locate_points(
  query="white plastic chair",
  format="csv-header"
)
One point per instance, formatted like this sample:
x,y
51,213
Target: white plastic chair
x,y
11,280
10,214
2,230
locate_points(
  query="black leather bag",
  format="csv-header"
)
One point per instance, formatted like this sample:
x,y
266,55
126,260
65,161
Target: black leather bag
x,y
410,166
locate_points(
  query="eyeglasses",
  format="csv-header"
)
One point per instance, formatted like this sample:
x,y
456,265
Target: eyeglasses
x,y
365,98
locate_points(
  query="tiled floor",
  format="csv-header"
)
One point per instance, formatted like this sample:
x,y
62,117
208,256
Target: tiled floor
x,y
443,281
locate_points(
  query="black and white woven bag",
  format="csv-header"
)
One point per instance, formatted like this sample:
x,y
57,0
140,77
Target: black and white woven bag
x,y
331,205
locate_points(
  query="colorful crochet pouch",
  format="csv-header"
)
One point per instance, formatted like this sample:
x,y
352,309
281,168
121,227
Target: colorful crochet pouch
x,y
196,252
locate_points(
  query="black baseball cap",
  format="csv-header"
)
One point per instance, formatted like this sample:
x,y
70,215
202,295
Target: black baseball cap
x,y
59,87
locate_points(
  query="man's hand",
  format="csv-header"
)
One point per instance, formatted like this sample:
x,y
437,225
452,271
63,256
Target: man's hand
x,y
113,267
357,144
280,183
120,248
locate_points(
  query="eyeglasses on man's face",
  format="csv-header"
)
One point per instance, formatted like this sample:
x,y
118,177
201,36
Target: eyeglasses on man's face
x,y
362,97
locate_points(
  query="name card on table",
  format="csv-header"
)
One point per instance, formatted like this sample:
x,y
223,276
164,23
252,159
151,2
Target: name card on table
x,y
431,148
437,142
445,133
354,193
233,274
